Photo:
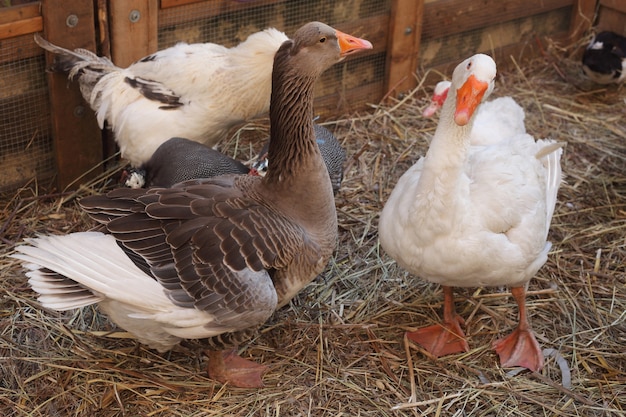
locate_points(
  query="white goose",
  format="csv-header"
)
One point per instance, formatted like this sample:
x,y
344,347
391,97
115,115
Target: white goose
x,y
196,91
495,119
471,216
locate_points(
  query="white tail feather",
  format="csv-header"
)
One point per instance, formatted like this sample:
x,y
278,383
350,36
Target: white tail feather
x,y
96,262
550,155
89,267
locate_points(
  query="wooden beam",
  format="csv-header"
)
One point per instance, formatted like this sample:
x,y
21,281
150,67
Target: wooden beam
x,y
619,5
134,30
77,138
21,27
583,14
20,20
448,17
405,29
175,3
11,14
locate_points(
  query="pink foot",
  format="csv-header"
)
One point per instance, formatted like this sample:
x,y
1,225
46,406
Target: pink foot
x,y
228,367
441,339
520,348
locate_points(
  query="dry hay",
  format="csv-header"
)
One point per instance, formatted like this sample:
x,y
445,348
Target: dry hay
x,y
338,348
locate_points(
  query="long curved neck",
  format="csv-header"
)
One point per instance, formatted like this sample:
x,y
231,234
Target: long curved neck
x,y
443,172
292,141
296,170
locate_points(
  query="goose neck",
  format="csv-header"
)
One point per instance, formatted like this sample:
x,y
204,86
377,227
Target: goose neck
x,y
292,146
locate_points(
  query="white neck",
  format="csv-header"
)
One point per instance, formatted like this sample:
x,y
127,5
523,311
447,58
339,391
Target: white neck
x,y
444,162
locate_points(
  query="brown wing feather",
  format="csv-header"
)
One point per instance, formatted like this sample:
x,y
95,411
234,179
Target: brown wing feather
x,y
206,242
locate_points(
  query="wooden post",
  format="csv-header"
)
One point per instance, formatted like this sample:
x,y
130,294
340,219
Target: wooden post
x,y
583,12
612,16
134,29
77,138
405,31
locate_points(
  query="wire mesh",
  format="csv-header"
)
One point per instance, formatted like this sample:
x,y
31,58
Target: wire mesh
x,y
213,22
25,132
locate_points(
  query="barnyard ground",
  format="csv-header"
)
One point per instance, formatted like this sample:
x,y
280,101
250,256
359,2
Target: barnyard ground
x,y
338,348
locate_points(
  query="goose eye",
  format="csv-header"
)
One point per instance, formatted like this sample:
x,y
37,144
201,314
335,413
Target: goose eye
x,y
469,65
322,40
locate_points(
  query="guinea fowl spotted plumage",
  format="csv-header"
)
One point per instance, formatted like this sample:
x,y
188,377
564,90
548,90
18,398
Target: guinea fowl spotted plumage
x,y
467,215
210,258
604,59
179,159
196,91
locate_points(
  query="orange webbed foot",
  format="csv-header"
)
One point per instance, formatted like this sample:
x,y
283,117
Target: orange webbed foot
x,y
228,367
442,338
520,348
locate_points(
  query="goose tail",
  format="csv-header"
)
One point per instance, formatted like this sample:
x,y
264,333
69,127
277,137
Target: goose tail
x,y
550,155
79,269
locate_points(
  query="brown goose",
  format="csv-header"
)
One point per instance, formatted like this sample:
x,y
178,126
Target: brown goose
x,y
210,258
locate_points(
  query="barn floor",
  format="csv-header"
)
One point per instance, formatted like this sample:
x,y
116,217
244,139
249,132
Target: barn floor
x,y
338,348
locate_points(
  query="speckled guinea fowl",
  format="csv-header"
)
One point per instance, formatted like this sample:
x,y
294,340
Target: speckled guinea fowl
x,y
221,254
180,159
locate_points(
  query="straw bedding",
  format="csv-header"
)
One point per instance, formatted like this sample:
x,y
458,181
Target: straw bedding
x,y
338,348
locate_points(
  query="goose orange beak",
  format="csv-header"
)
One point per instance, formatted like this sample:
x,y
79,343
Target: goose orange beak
x,y
349,44
468,97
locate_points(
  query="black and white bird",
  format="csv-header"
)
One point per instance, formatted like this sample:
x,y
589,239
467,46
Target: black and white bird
x,y
604,60
196,91
210,258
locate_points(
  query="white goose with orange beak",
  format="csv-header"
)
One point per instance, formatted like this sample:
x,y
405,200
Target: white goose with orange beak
x,y
473,216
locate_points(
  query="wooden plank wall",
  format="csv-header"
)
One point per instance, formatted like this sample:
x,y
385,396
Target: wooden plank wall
x,y
75,133
405,29
456,29
612,16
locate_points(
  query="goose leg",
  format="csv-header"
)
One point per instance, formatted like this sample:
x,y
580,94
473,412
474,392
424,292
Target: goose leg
x,y
228,367
520,348
443,338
